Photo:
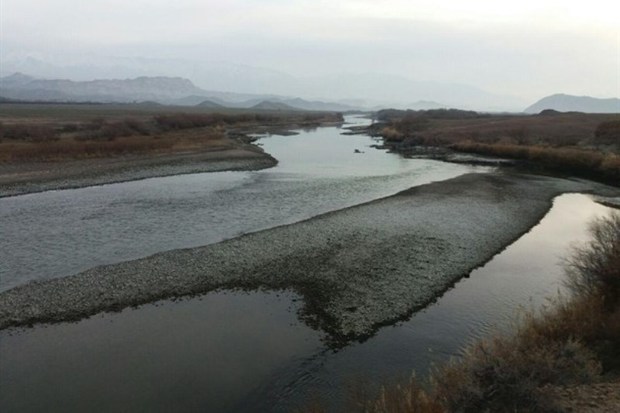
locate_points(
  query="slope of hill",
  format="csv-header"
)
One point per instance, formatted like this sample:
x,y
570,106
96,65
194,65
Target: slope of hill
x,y
570,103
19,86
208,104
269,105
319,105
160,89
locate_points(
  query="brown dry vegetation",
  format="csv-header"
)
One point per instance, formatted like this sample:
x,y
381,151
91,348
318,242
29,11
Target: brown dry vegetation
x,y
585,162
574,341
34,134
576,143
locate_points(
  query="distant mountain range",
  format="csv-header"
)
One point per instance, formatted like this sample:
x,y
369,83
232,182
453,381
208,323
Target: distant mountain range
x,y
570,103
183,92
358,89
160,89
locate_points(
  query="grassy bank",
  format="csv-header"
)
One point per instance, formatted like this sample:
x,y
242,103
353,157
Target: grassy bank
x,y
574,341
585,162
586,145
63,132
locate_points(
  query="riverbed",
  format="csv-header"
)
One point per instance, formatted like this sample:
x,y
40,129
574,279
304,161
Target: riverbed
x,y
250,351
59,233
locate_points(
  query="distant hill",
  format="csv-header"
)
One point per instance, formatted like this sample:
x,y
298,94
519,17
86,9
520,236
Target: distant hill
x,y
20,86
269,105
570,103
159,89
208,104
319,105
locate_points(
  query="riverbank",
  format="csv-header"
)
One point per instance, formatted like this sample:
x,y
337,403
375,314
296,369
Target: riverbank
x,y
564,358
356,269
570,144
23,178
44,147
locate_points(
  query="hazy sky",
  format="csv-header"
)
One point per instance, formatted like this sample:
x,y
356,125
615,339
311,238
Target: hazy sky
x,y
524,48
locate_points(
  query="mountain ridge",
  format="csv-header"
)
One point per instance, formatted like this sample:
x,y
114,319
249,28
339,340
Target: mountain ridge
x,y
161,89
562,102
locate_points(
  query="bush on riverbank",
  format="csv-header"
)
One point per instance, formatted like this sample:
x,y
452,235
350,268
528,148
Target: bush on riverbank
x,y
582,144
576,340
585,162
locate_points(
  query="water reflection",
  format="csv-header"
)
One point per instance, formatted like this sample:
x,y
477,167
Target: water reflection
x,y
523,276
249,352
204,354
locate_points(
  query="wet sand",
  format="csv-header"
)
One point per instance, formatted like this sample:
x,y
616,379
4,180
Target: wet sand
x,y
356,269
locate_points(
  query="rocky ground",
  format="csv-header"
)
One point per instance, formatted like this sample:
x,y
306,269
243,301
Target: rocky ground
x,y
357,268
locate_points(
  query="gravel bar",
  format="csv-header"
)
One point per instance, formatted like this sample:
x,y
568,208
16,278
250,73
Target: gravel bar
x,y
357,269
19,179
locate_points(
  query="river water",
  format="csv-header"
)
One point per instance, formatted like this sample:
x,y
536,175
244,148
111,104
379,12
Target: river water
x,y
58,233
235,351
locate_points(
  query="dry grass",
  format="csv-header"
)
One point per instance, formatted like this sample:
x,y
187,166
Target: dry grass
x,y
505,374
403,398
582,161
37,137
574,341
63,149
594,270
608,132
562,129
391,134
576,143
71,148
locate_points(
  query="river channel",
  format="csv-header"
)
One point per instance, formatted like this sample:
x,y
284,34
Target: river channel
x,y
235,351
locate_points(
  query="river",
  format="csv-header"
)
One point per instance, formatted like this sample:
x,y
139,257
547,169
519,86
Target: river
x,y
58,233
237,351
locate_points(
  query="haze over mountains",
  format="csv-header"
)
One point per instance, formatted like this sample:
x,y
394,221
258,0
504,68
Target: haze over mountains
x,y
163,90
183,92
353,90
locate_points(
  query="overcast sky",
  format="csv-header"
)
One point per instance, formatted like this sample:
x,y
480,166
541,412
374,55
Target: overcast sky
x,y
524,48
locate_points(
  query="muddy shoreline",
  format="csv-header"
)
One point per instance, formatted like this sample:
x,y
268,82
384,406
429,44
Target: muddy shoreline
x,y
356,269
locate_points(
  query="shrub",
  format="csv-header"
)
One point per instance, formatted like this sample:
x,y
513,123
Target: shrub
x,y
138,126
605,166
391,134
594,269
403,398
500,375
186,121
412,122
29,132
608,132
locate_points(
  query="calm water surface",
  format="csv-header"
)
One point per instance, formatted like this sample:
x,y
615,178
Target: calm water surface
x,y
235,351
